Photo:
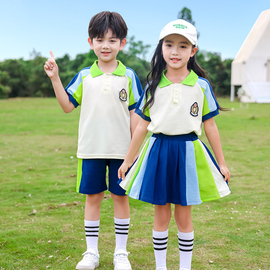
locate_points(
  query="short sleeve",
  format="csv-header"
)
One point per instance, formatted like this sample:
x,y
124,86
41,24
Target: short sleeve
x,y
135,88
139,108
210,104
74,88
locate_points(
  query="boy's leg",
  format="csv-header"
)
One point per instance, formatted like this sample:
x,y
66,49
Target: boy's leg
x,y
91,180
90,260
121,221
185,235
92,219
160,234
121,217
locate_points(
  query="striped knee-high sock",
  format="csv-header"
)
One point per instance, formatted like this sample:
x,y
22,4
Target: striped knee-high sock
x,y
121,233
160,241
185,241
91,234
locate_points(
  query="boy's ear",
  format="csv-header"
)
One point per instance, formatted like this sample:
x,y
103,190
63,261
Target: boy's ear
x,y
122,44
90,42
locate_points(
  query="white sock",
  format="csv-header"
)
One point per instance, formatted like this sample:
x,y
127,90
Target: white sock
x,y
185,241
160,240
121,233
91,234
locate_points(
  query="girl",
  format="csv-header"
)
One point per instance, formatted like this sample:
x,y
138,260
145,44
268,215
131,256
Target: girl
x,y
174,165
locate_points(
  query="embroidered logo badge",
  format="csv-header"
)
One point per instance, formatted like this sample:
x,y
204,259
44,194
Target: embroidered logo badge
x,y
194,109
123,95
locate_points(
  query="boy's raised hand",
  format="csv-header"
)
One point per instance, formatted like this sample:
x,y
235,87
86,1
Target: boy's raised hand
x,y
51,67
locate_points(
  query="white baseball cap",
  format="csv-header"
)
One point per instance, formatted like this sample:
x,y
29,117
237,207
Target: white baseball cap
x,y
182,28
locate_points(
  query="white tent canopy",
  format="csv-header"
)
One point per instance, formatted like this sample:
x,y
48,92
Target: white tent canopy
x,y
251,66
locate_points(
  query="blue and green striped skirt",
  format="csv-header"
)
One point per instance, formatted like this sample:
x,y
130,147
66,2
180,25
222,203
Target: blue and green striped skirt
x,y
175,169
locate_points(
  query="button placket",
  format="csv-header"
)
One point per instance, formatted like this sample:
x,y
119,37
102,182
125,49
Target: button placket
x,y
107,83
175,94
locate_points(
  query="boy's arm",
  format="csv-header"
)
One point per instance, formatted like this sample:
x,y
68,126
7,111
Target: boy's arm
x,y
212,134
51,69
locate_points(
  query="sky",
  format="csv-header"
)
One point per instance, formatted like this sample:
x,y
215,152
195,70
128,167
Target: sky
x,y
62,26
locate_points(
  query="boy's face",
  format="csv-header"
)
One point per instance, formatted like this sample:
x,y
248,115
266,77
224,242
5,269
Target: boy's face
x,y
107,47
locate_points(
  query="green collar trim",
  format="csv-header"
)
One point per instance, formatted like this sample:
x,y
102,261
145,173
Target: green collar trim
x,y
190,80
95,71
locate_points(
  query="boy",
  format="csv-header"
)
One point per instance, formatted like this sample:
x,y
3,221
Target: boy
x,y
107,92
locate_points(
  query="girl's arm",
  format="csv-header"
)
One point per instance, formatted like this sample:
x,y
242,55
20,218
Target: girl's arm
x,y
212,134
134,120
51,69
137,140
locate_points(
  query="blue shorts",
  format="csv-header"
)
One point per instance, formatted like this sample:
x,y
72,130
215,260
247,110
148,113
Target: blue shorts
x,y
91,177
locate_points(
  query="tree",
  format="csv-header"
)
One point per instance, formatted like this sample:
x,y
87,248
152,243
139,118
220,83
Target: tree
x,y
186,15
4,88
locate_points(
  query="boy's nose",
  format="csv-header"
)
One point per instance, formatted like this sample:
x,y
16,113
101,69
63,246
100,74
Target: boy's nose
x,y
105,45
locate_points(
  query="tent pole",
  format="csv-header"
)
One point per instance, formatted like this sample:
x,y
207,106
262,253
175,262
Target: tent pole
x,y
232,93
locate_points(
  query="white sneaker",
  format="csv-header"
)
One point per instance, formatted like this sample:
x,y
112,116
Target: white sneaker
x,y
90,260
121,261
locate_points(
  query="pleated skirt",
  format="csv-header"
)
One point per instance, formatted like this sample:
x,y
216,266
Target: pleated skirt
x,y
175,169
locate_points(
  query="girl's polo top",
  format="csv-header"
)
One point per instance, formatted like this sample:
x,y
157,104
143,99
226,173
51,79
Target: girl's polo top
x,y
106,101
180,108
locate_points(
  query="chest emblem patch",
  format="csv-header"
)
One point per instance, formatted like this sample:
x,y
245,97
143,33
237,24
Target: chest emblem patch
x,y
194,109
123,95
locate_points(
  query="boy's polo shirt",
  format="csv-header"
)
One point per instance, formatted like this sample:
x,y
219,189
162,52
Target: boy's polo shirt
x,y
106,101
180,108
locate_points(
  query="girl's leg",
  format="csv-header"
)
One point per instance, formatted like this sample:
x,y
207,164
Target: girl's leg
x,y
91,219
185,235
160,234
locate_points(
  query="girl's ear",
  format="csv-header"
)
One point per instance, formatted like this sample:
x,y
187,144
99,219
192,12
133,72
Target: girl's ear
x,y
193,51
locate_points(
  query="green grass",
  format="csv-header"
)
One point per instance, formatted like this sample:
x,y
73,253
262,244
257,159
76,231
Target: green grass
x,y
42,216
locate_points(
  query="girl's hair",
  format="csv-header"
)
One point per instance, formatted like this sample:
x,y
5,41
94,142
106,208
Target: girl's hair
x,y
158,65
105,20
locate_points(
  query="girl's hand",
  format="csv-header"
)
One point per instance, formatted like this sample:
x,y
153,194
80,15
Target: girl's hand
x,y
51,67
123,169
225,172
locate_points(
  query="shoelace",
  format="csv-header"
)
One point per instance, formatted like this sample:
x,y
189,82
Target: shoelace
x,y
122,258
89,255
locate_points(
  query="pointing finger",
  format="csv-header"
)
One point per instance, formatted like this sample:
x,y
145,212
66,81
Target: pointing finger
x,y
52,56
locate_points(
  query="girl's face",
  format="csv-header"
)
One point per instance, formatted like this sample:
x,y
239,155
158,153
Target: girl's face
x,y
177,50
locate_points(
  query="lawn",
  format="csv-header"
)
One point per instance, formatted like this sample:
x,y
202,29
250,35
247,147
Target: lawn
x,y
42,216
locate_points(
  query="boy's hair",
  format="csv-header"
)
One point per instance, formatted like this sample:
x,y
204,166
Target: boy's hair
x,y
105,20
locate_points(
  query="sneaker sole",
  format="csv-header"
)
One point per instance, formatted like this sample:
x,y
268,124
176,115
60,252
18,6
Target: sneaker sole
x,y
86,267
